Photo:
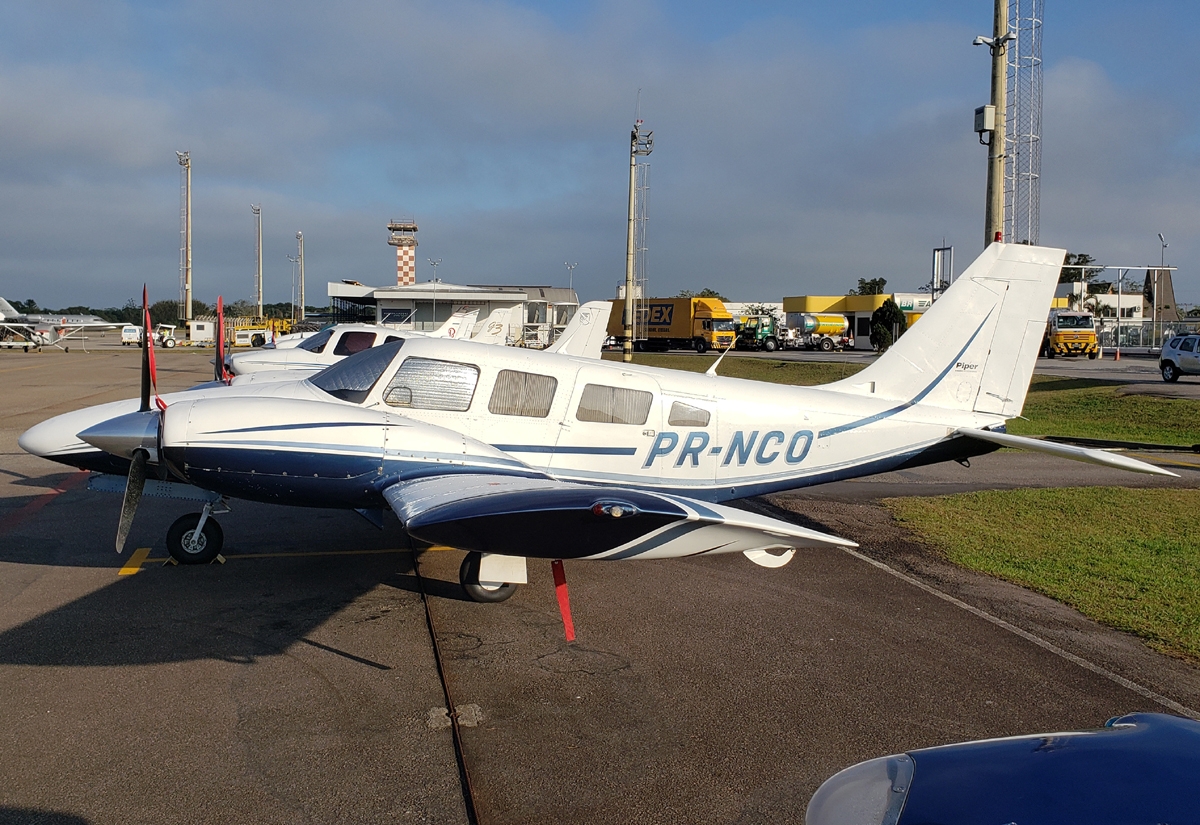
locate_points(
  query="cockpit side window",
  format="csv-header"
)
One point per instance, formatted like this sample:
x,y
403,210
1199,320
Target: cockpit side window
x,y
428,384
614,405
355,341
317,342
353,378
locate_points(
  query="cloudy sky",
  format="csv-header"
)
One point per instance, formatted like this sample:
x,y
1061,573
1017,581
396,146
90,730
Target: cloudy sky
x,y
799,146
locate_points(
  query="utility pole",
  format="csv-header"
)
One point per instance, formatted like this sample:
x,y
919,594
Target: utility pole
x,y
571,274
258,290
998,45
300,260
185,161
639,144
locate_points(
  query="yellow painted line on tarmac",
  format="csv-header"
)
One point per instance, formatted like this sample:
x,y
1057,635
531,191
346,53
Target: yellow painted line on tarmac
x,y
1157,459
18,369
297,555
135,562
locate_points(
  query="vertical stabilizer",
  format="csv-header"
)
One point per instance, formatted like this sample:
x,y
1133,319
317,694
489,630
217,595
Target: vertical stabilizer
x,y
494,328
458,325
976,347
584,336
7,312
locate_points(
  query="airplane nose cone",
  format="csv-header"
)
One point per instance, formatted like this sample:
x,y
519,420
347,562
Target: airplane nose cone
x,y
50,439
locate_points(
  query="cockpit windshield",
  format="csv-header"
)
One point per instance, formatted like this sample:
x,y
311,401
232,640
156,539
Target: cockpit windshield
x,y
316,343
1074,322
352,379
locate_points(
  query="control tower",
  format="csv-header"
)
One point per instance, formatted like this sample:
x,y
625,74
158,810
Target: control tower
x,y
404,237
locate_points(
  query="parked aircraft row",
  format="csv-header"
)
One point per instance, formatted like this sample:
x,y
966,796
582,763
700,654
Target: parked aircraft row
x,y
510,453
27,330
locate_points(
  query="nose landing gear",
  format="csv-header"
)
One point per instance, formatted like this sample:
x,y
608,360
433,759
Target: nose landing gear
x,y
196,538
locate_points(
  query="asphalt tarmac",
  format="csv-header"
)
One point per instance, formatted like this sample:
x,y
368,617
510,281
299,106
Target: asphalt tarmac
x,y
314,675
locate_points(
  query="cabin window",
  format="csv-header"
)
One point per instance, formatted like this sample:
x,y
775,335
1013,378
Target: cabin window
x,y
685,415
352,342
317,342
614,405
522,393
426,384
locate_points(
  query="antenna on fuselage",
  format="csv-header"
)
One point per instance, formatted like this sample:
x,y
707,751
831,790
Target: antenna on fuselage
x,y
713,369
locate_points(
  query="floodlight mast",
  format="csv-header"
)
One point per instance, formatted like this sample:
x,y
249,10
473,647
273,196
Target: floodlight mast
x,y
640,144
258,285
300,259
185,161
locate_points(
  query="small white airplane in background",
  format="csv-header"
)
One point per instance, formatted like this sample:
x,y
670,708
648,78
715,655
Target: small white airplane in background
x,y
322,349
27,331
510,453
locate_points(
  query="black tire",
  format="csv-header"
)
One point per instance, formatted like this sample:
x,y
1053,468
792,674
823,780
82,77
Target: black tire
x,y
701,346
769,345
1049,353
211,540
169,343
468,577
1093,355
1170,372
826,345
258,339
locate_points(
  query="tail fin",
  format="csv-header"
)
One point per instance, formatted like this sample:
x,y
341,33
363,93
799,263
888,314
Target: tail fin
x,y
457,325
976,347
584,336
494,328
7,312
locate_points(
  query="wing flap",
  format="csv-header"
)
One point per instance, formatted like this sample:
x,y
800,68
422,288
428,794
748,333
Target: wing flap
x,y
1092,456
544,518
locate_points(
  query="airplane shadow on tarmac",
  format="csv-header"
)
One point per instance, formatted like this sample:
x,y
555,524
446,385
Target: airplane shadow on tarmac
x,y
236,612
25,816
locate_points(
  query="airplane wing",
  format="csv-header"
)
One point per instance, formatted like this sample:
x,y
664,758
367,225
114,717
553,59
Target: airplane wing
x,y
544,518
1089,455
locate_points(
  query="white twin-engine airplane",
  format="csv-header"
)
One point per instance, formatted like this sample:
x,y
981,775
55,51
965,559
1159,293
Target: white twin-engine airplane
x,y
510,453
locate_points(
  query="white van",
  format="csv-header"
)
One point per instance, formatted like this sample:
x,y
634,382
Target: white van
x,y
131,335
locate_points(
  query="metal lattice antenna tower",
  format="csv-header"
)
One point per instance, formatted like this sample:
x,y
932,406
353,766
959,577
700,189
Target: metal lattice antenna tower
x,y
1023,121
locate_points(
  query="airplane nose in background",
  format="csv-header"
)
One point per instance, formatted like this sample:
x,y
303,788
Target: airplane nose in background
x,y
50,438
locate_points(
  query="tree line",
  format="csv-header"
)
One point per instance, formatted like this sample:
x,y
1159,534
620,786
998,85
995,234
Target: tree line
x,y
162,312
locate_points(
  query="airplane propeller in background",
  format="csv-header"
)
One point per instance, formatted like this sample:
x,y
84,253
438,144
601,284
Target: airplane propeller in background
x,y
136,480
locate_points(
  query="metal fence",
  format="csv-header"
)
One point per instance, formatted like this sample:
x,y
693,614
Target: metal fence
x,y
1140,333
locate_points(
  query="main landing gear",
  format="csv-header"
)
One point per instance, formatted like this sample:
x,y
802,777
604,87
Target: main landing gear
x,y
196,538
487,591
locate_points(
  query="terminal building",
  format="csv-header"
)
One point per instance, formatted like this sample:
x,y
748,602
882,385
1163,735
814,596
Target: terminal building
x,y
541,312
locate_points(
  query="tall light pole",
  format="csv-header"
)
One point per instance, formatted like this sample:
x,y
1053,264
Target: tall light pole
x,y
1162,261
998,45
571,274
185,160
258,290
639,144
295,260
434,264
300,261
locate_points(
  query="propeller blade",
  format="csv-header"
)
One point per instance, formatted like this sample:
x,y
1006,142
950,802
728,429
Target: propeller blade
x,y
145,351
133,494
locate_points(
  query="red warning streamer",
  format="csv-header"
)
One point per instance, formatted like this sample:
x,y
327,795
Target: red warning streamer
x,y
564,601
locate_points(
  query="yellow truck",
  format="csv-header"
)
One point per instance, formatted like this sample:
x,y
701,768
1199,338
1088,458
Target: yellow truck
x,y
1070,332
675,323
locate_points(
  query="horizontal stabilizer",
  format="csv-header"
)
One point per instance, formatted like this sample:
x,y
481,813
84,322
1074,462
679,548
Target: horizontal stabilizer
x,y
1087,454
543,518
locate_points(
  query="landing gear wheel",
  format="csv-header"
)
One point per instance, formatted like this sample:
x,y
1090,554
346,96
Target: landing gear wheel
x,y
826,345
186,547
468,577
701,346
769,345
1170,372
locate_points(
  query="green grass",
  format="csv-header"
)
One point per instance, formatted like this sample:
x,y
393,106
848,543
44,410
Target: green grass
x,y
1139,573
796,373
1084,408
